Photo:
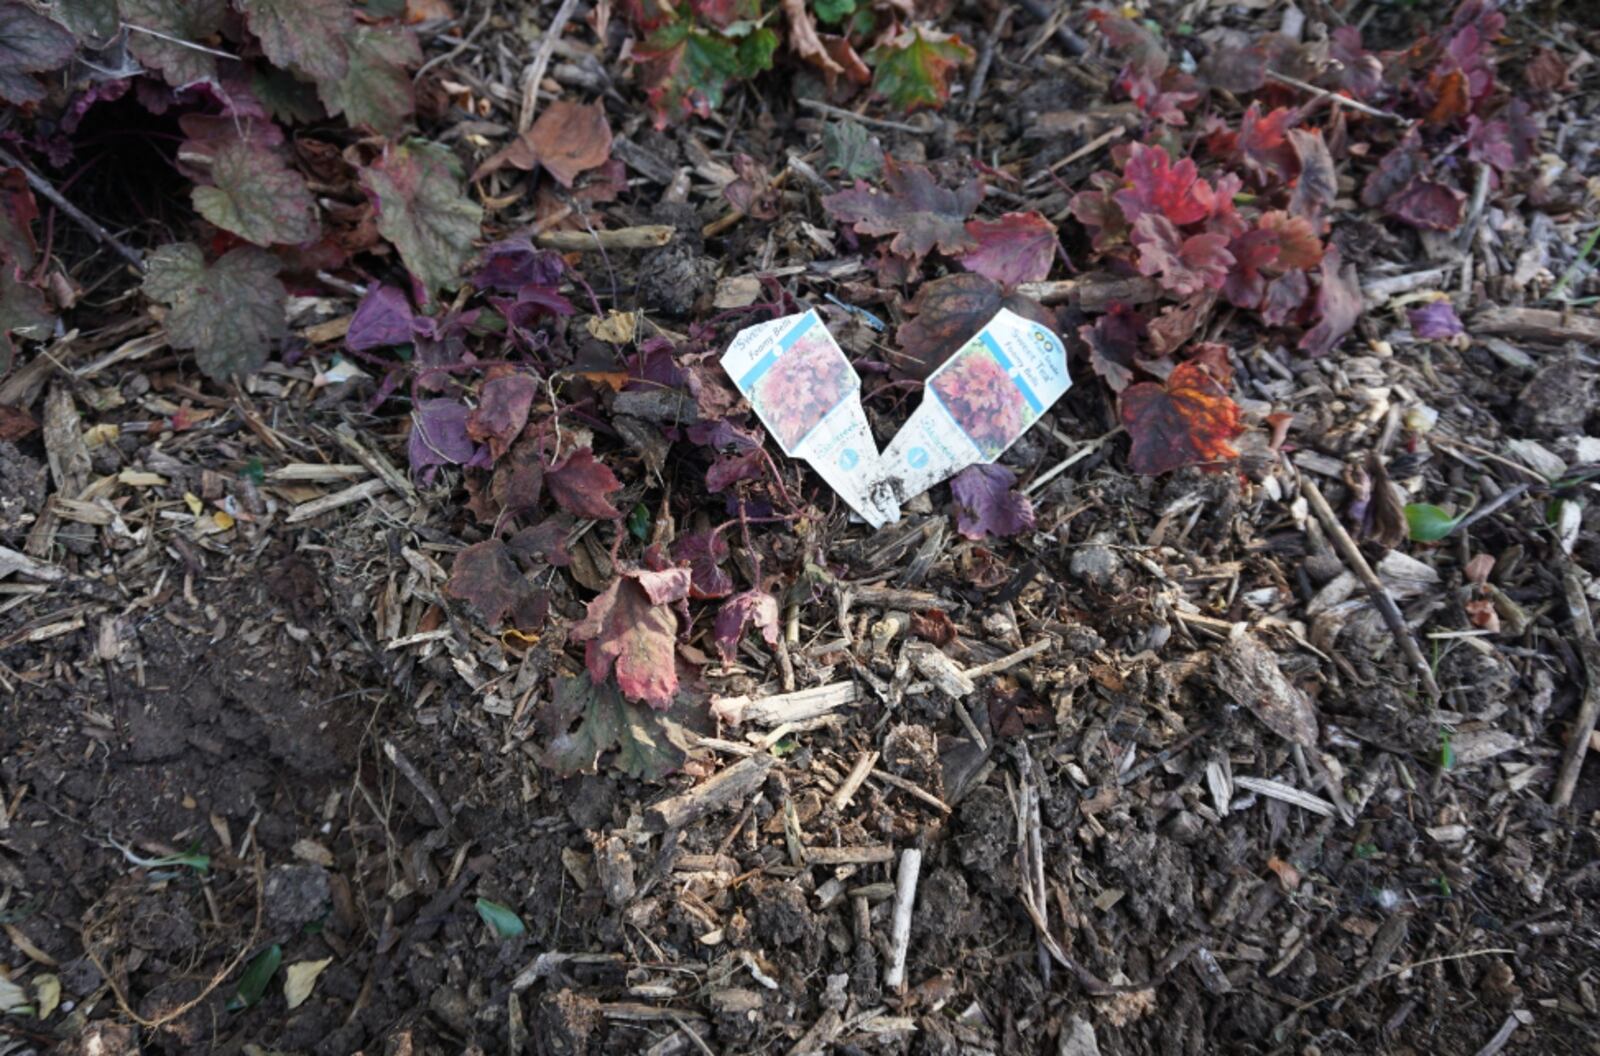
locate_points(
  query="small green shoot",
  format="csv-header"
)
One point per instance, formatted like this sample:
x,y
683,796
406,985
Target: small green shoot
x,y
1428,523
259,972
1366,851
502,920
200,863
1447,751
639,522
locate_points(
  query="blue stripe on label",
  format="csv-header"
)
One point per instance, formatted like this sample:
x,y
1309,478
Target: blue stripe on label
x,y
764,364
1016,378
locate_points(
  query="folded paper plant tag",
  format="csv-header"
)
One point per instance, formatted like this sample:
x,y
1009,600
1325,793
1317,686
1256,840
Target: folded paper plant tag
x,y
805,391
976,405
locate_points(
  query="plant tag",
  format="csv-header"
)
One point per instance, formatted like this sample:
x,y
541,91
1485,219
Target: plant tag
x,y
803,388
978,404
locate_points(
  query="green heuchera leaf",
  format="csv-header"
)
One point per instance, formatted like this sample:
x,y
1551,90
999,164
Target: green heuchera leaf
x,y
914,67
23,313
307,36
1427,523
187,20
831,11
257,196
376,88
850,148
285,96
687,68
29,43
650,744
229,313
95,20
417,190
257,974
502,919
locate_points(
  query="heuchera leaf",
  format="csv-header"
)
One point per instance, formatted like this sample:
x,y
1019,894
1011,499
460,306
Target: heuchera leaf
x,y
416,188
1338,305
1153,184
307,36
94,20
749,607
1185,265
382,319
1188,420
947,313
704,553
485,576
987,502
649,744
1113,343
1316,187
439,434
376,88
513,263
23,313
1430,204
29,43
567,140
1263,143
913,68
1435,321
257,197
502,411
229,313
581,483
1017,248
631,628
848,147
686,68
194,21
912,206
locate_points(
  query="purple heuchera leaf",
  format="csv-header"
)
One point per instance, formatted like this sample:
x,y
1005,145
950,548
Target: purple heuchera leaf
x,y
510,265
439,435
1435,321
730,469
987,504
751,606
382,319
705,551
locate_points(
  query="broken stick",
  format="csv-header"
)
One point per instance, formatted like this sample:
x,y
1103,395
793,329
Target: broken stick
x,y
905,896
648,236
734,783
1589,648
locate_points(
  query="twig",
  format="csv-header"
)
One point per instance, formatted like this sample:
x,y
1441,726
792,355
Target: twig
x,y
913,788
1114,133
905,896
852,783
419,781
851,115
1339,100
170,39
1074,44
1375,589
1007,662
541,59
1589,647
1391,973
1501,1036
98,233
1067,463
980,73
735,782
647,236
462,45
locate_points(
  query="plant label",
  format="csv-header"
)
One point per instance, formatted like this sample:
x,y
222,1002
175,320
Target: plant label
x,y
977,404
803,388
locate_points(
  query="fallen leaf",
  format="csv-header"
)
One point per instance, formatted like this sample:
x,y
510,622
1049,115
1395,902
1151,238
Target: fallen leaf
x,y
1483,615
568,139
913,207
1435,321
416,188
617,328
300,978
704,553
484,576
1113,342
439,434
1430,204
1187,420
1017,248
1249,672
1317,185
650,744
257,974
987,502
1185,265
1288,876
514,263
29,43
47,992
1176,324
581,483
1338,304
849,148
256,196
16,423
948,312
751,607
502,411
381,320
229,313
376,89
307,36
632,629
913,67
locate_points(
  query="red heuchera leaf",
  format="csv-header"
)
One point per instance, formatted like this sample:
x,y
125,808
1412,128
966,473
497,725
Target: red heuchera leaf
x,y
486,577
581,483
1338,304
1017,248
1165,106
913,207
1298,244
1317,185
1361,74
1263,144
1113,343
1252,251
704,553
988,504
1430,204
749,607
1188,420
1153,184
913,68
1435,321
1490,143
382,319
1186,265
947,313
1547,73
502,411
631,629
567,140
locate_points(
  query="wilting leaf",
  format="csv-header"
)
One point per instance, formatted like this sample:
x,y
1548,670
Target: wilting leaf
x,y
439,434
376,88
47,988
987,502
29,43
1435,321
307,36
947,313
257,974
1153,184
1185,421
1296,239
1249,672
831,54
485,577
416,188
194,21
1317,185
581,483
1427,523
300,978
514,263
502,411
257,196
1338,305
568,139
848,147
1263,143
685,68
382,319
1113,343
502,920
1186,265
748,607
704,552
650,744
1430,204
913,68
228,313
1177,323
632,628
1017,248
912,206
